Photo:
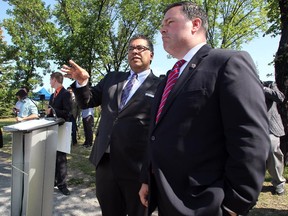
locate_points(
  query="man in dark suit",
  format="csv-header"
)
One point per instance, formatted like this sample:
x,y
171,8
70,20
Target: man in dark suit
x,y
60,104
122,135
209,141
275,161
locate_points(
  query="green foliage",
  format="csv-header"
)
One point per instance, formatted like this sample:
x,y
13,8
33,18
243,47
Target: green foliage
x,y
234,22
273,18
96,33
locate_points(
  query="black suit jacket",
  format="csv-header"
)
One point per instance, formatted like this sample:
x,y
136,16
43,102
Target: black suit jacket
x,y
126,131
211,142
62,104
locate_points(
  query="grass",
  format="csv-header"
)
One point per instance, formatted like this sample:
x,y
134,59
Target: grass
x,y
80,170
82,173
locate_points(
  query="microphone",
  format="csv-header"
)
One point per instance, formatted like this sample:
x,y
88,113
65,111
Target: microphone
x,y
53,111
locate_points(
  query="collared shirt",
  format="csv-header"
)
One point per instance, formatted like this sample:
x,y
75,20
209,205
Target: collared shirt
x,y
138,82
57,91
190,55
87,112
28,107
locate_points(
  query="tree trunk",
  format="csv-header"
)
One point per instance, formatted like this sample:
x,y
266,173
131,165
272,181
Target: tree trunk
x,y
281,72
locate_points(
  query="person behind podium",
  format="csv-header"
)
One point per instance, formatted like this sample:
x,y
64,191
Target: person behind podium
x,y
60,107
27,108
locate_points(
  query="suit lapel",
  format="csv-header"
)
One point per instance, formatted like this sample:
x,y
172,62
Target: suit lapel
x,y
187,73
148,82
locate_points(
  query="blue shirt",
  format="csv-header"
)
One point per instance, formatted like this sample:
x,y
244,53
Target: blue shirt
x,y
27,108
87,112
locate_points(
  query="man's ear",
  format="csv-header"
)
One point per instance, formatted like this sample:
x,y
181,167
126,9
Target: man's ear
x,y
196,25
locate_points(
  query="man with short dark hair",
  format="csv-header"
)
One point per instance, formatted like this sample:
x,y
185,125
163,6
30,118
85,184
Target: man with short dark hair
x,y
60,105
121,138
208,140
27,108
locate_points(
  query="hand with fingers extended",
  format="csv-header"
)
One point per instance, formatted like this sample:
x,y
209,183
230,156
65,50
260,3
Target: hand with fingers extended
x,y
74,71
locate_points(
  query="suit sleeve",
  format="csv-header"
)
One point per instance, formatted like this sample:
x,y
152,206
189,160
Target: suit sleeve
x,y
89,97
244,116
272,93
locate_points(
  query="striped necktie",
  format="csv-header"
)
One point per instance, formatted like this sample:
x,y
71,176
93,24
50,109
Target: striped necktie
x,y
127,89
172,78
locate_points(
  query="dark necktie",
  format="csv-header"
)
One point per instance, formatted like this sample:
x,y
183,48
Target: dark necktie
x,y
172,78
127,89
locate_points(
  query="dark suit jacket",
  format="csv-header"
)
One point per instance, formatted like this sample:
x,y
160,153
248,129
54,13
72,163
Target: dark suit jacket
x,y
126,131
211,142
61,104
274,96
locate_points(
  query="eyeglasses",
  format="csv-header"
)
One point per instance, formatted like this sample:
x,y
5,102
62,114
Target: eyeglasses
x,y
139,48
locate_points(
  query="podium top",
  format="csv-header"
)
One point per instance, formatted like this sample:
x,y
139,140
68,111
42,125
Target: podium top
x,y
27,126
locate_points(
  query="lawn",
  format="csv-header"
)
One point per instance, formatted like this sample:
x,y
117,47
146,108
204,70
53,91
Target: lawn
x,y
82,173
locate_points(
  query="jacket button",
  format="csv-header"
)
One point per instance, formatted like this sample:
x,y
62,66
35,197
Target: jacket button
x,y
153,138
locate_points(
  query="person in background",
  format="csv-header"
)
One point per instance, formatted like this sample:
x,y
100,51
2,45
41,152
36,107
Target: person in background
x,y
75,112
1,138
88,123
208,140
27,108
18,104
275,161
60,105
121,138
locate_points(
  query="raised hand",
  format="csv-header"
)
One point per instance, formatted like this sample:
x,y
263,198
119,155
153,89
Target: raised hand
x,y
74,71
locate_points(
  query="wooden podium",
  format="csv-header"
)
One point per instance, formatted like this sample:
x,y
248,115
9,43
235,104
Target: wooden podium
x,y
34,145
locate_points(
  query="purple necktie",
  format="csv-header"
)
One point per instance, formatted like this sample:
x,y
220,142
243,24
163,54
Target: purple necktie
x,y
172,78
127,89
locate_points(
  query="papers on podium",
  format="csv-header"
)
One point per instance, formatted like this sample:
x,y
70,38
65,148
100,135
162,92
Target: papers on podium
x,y
64,137
64,130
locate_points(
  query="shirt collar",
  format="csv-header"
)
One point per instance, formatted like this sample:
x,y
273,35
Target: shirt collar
x,y
193,51
142,75
58,90
190,55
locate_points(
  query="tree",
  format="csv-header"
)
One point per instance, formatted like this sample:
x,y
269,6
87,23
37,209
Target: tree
x,y
278,15
96,33
7,96
234,22
278,18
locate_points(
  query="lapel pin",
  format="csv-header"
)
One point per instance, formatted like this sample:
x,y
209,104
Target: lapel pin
x,y
193,66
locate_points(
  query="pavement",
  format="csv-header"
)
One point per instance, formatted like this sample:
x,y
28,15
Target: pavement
x,y
82,200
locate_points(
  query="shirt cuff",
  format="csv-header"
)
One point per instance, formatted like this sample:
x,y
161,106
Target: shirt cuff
x,y
79,86
228,210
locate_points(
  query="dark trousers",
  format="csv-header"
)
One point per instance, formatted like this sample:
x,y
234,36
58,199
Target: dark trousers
x,y
61,170
117,196
1,138
74,130
88,129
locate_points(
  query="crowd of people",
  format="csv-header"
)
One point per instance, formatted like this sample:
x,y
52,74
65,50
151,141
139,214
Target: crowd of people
x,y
197,142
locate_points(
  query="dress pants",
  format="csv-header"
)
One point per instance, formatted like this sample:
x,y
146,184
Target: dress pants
x,y
275,164
61,170
117,197
88,129
1,138
74,130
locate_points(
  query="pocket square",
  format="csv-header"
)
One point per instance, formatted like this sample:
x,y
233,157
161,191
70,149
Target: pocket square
x,y
149,95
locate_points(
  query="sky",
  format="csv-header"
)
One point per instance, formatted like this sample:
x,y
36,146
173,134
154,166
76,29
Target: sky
x,y
261,49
